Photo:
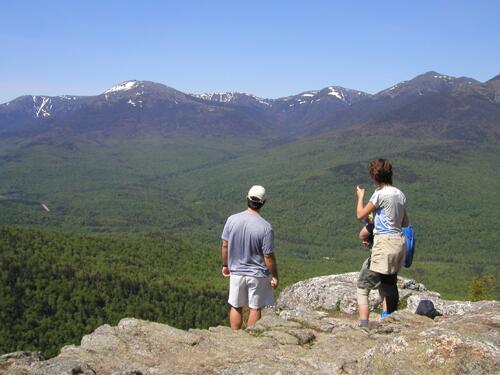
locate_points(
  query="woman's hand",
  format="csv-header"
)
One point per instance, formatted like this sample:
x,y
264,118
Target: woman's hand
x,y
360,192
362,211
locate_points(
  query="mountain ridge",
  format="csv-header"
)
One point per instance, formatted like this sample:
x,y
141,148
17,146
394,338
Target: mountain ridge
x,y
431,102
138,82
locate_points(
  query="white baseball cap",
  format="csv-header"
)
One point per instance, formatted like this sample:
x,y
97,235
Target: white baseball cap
x,y
258,192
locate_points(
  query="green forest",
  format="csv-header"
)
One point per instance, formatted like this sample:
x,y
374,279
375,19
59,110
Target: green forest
x,y
133,227
56,287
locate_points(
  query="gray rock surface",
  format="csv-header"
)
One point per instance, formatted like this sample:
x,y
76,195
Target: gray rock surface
x,y
341,295
313,331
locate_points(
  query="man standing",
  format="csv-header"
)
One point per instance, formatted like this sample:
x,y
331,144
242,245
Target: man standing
x,y
248,260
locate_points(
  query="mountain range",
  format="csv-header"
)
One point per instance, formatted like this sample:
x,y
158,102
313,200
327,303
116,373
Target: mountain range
x,y
445,106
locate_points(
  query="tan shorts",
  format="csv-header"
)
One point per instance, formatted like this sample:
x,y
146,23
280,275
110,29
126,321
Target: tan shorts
x,y
256,292
388,253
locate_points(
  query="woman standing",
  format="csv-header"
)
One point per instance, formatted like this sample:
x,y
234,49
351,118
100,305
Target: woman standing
x,y
387,255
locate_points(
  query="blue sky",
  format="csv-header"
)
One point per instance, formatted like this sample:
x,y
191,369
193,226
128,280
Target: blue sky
x,y
268,48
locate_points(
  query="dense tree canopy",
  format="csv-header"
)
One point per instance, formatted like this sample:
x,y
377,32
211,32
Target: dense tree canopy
x,y
55,287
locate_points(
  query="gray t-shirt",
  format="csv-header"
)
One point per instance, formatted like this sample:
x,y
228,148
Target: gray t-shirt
x,y
390,210
249,237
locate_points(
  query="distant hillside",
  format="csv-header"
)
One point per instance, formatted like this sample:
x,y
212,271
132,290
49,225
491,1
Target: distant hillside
x,y
186,187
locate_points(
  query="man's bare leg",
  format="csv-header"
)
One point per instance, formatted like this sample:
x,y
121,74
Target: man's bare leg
x,y
235,317
253,316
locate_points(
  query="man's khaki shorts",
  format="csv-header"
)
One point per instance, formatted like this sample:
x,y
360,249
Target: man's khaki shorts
x,y
256,292
388,253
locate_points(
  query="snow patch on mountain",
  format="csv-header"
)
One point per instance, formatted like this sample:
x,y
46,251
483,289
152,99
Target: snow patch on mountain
x,y
122,87
230,97
347,96
265,103
221,97
42,109
442,76
137,103
336,93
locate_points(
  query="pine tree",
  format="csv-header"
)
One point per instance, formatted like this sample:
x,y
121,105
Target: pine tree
x,y
482,288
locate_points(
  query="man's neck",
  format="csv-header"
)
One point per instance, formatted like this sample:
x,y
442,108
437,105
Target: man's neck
x,y
253,210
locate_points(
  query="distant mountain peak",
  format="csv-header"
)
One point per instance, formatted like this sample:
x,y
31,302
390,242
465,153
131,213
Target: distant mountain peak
x,y
342,93
429,82
337,93
309,93
433,75
495,78
124,86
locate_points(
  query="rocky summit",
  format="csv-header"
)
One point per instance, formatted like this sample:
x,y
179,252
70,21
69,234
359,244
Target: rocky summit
x,y
312,330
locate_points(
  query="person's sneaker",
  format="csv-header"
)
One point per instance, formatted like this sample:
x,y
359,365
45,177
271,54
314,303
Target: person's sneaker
x,y
384,314
363,326
364,329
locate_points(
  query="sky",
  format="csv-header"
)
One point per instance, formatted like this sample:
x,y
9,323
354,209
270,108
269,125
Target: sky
x,y
269,48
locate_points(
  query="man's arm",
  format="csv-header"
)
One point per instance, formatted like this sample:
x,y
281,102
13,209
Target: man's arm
x,y
224,255
270,261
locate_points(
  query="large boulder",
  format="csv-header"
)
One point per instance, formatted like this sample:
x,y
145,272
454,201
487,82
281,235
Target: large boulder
x,y
338,293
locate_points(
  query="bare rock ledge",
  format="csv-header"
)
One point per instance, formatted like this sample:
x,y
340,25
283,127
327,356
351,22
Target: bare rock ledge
x,y
313,330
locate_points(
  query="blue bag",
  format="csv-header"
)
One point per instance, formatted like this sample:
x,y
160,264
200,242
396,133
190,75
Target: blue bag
x,y
410,244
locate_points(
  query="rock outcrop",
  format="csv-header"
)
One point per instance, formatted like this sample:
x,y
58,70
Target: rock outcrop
x,y
313,330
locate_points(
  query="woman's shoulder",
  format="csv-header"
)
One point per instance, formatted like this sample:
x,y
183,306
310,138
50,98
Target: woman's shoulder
x,y
390,191
397,192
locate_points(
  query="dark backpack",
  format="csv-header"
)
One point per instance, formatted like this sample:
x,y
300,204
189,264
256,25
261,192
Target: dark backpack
x,y
410,244
426,307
